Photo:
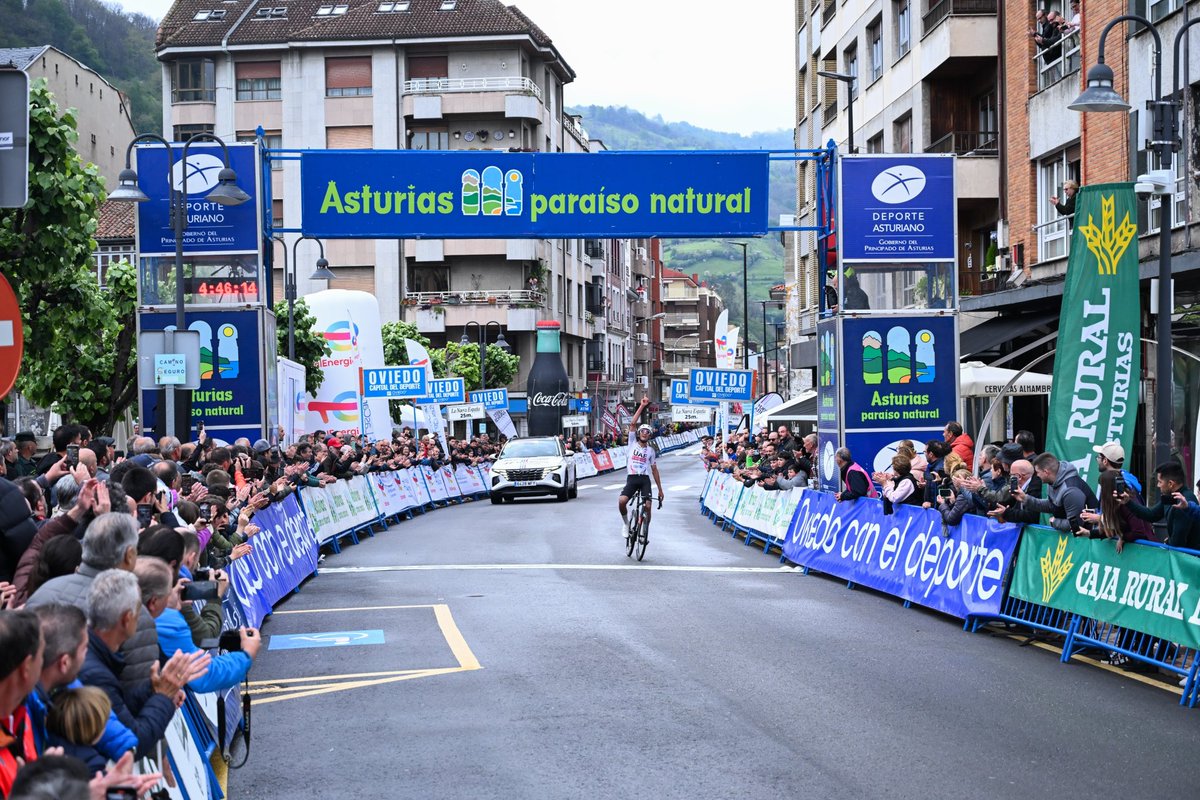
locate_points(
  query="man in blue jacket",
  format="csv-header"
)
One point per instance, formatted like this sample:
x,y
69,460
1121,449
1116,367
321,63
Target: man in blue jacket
x,y
64,631
145,707
156,581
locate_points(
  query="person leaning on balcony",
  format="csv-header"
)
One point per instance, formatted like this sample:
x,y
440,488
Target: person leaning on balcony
x,y
1076,21
1067,207
1047,35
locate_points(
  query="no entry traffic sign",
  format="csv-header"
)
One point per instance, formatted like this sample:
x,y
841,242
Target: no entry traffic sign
x,y
12,337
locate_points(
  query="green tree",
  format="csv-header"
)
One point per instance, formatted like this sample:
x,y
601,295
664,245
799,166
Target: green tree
x,y
79,346
464,363
311,346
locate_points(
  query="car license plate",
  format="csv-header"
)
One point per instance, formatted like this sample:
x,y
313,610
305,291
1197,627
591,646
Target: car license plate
x,y
525,483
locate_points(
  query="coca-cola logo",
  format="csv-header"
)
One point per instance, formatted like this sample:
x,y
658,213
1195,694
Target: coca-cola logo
x,y
550,400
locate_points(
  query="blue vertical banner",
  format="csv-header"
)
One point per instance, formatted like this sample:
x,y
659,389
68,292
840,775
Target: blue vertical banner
x,y
829,415
897,208
230,400
899,381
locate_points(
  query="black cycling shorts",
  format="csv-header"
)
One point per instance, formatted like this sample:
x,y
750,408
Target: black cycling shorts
x,y
635,482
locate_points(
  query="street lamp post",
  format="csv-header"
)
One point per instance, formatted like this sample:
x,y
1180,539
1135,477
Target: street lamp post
x,y
465,341
849,81
1100,96
745,306
322,273
226,193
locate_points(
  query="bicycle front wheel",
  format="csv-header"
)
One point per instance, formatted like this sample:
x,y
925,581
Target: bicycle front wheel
x,y
635,522
643,538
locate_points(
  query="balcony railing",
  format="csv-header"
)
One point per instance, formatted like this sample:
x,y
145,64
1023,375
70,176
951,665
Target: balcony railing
x,y
967,143
828,11
509,297
579,133
1053,239
507,83
1064,61
952,8
830,112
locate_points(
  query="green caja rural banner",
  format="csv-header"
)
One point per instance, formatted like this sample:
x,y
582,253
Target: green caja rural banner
x,y
1097,366
1147,589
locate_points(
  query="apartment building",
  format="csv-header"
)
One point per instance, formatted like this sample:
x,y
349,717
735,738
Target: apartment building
x,y
101,111
691,309
925,79
395,74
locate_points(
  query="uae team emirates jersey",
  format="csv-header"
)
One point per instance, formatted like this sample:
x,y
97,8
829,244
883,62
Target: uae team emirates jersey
x,y
641,459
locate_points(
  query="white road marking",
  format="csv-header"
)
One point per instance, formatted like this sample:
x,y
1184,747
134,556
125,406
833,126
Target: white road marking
x,y
587,486
681,487
585,567
612,486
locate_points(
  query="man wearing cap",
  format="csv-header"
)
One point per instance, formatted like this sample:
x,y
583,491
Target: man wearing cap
x,y
1111,455
25,463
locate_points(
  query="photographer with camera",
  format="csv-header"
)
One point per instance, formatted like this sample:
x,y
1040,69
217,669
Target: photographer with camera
x,y
163,595
1183,529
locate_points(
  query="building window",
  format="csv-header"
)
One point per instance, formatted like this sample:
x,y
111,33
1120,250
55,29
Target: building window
x,y
258,80
875,143
801,90
1053,229
903,27
429,140
194,80
875,37
988,116
350,137
1178,207
850,59
348,77
1160,8
272,141
181,133
902,134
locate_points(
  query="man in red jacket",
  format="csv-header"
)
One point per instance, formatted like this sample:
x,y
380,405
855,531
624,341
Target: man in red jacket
x,y
20,667
960,443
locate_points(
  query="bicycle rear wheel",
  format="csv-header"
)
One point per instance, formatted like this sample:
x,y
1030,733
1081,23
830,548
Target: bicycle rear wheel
x,y
643,537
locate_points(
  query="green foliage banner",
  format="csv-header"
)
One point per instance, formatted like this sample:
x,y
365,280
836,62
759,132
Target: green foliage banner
x,y
1143,588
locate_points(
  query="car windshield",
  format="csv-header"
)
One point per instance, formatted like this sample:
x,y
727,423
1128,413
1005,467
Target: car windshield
x,y
530,449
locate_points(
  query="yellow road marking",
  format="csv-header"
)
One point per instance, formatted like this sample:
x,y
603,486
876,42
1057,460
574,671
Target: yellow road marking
x,y
454,638
358,685
359,608
350,676
1166,687
327,684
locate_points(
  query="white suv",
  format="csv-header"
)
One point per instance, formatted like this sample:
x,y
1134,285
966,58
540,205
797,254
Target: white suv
x,y
531,467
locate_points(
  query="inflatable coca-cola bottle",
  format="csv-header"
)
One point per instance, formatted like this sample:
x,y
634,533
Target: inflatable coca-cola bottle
x,y
548,387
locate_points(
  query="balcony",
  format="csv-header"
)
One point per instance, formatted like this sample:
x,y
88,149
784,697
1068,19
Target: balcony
x,y
681,320
643,351
507,83
1063,62
436,98
576,131
967,143
680,366
962,31
434,312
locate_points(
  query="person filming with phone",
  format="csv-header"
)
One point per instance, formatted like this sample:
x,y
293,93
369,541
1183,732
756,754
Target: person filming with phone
x,y
1067,495
1183,529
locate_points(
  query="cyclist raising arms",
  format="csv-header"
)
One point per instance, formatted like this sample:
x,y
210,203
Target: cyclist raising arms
x,y
641,463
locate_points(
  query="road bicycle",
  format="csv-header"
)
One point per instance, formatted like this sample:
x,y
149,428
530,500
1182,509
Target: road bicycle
x,y
637,535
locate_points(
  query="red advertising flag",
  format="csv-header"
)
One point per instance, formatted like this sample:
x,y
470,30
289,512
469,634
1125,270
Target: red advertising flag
x,y
602,460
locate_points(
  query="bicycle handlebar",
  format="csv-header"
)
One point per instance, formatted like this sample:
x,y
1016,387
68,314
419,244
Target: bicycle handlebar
x,y
660,502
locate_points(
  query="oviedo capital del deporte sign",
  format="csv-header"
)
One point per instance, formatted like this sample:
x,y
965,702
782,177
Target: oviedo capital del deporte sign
x,y
485,194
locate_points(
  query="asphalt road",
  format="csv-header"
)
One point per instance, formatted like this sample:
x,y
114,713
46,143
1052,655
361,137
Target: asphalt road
x,y
524,656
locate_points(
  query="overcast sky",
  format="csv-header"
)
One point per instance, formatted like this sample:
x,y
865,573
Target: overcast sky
x,y
721,64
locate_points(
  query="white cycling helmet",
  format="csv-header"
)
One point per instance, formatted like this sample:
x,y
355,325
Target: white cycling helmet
x,y
645,428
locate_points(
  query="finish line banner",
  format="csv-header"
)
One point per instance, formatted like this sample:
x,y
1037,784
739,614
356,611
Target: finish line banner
x,y
1149,589
905,554
1094,396
481,194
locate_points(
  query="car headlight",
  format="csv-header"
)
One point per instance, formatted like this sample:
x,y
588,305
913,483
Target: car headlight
x,y
500,473
549,472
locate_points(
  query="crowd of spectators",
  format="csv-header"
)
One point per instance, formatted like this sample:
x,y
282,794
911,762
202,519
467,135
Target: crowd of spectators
x,y
112,573
773,459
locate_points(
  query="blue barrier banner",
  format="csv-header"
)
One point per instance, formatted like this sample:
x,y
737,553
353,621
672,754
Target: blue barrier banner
x,y
480,194
283,553
394,382
446,391
905,554
492,399
708,383
897,208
